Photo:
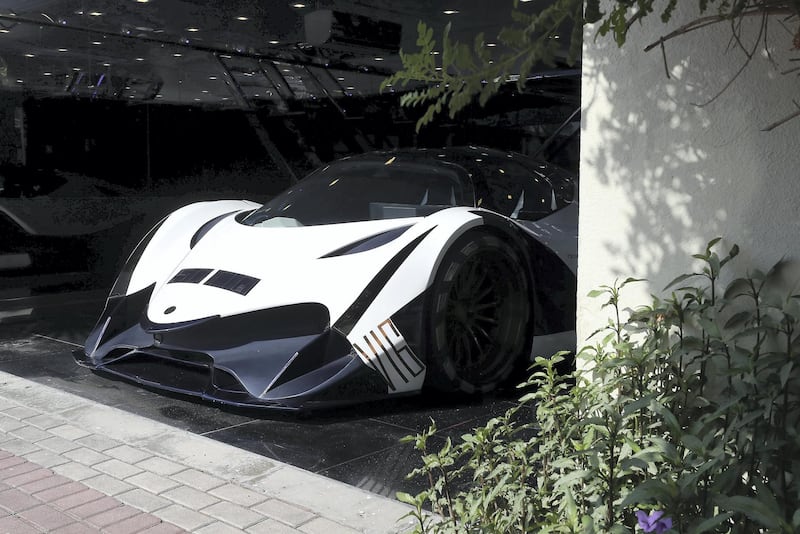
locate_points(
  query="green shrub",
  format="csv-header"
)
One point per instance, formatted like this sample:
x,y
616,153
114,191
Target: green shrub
x,y
689,406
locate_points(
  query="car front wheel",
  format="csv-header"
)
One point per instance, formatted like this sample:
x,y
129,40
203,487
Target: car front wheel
x,y
479,312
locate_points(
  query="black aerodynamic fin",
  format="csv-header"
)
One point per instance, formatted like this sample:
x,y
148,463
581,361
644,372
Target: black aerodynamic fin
x,y
368,243
349,318
203,230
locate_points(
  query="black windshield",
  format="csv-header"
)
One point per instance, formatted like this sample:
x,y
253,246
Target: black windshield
x,y
362,190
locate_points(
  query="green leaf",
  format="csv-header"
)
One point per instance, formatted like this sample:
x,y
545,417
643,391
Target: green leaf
x,y
630,280
666,448
649,491
711,523
405,498
693,443
738,319
785,373
714,263
752,508
678,280
572,477
668,417
638,404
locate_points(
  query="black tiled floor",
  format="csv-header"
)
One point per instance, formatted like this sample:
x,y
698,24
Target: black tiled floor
x,y
358,445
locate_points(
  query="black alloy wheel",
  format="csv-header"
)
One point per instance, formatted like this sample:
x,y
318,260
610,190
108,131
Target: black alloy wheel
x,y
480,312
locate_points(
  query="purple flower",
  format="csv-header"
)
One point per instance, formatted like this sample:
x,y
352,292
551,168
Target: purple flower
x,y
653,521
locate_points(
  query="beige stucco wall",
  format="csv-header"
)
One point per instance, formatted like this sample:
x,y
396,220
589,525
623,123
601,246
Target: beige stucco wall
x,y
661,176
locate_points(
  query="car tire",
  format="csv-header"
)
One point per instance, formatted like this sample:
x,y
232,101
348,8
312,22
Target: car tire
x,y
479,315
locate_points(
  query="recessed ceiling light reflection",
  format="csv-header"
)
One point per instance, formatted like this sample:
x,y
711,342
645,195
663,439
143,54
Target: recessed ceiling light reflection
x,y
20,81
3,30
47,74
177,54
491,44
96,43
378,58
139,59
274,42
63,50
142,1
106,64
450,11
242,18
192,29
96,13
298,5
212,77
30,55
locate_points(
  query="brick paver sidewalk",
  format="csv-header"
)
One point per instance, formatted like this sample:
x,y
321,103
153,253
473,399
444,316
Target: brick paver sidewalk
x,y
34,499
72,465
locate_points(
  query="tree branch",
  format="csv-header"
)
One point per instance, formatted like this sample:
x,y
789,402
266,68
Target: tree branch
x,y
746,62
784,120
710,20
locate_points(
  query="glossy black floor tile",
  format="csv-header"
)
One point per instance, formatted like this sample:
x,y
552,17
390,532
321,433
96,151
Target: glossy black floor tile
x,y
312,444
384,472
448,413
69,323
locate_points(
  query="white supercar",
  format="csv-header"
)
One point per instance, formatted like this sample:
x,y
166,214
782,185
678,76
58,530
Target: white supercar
x,y
376,275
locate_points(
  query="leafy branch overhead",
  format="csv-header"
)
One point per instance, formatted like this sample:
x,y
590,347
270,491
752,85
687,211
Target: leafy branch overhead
x,y
451,76
459,72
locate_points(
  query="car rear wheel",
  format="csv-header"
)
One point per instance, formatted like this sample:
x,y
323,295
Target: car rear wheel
x,y
479,313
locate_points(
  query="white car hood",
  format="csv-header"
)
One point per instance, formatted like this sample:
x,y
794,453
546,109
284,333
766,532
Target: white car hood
x,y
288,263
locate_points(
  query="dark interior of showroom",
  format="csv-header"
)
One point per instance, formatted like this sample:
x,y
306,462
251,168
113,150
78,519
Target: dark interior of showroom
x,y
113,113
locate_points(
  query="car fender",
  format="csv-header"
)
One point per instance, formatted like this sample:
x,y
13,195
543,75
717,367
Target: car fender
x,y
381,342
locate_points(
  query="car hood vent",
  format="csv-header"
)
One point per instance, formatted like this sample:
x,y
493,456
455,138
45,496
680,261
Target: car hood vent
x,y
190,276
238,283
